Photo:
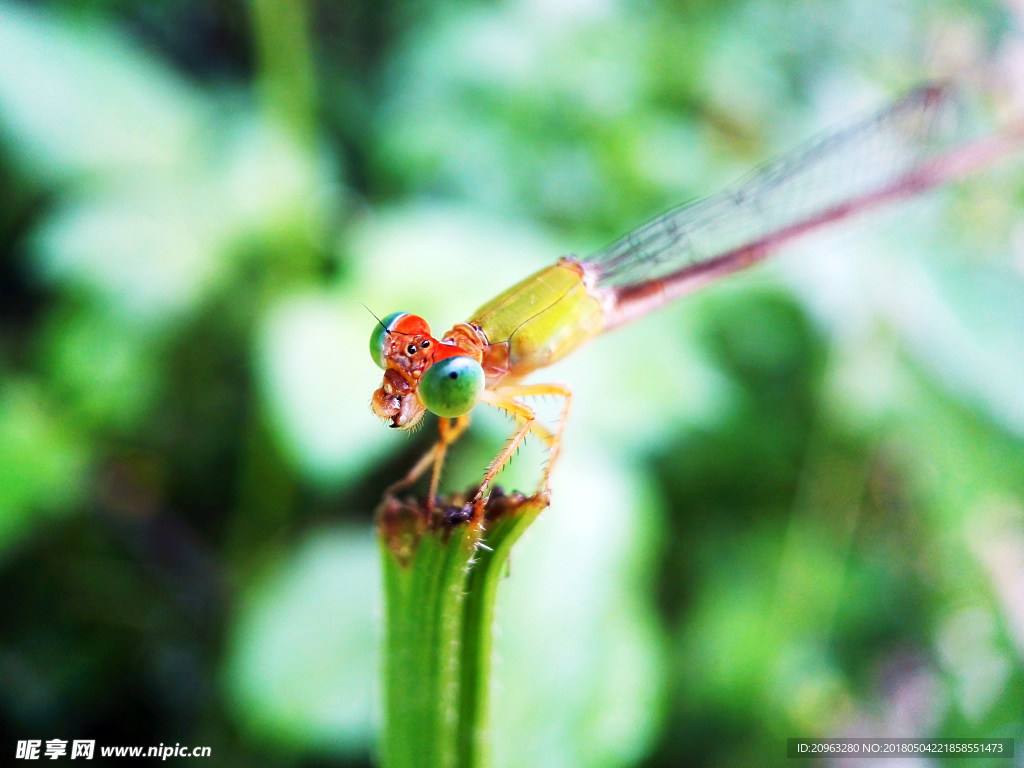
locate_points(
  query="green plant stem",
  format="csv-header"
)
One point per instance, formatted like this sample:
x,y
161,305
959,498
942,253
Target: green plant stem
x,y
287,87
423,616
440,587
478,633
287,75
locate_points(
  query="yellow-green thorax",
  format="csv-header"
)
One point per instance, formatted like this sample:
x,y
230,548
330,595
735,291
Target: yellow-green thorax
x,y
542,318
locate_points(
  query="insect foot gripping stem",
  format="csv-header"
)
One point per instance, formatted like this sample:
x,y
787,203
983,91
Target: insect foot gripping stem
x,y
442,569
402,524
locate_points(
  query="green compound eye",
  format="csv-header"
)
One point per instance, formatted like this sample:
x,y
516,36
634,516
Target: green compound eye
x,y
379,336
451,387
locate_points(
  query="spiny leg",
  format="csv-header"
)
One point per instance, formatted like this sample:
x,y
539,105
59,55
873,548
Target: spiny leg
x,y
504,398
554,440
451,430
519,410
434,457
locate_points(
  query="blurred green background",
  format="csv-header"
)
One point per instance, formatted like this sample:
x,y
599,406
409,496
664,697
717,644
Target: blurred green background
x,y
792,505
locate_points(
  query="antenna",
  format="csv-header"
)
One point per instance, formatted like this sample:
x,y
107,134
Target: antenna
x,y
381,324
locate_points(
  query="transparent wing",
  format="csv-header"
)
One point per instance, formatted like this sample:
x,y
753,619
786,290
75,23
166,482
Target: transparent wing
x,y
847,164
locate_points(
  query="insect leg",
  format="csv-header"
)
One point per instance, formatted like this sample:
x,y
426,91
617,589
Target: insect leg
x,y
449,433
553,439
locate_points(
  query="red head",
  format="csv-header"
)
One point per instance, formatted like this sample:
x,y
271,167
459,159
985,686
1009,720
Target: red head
x,y
401,344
